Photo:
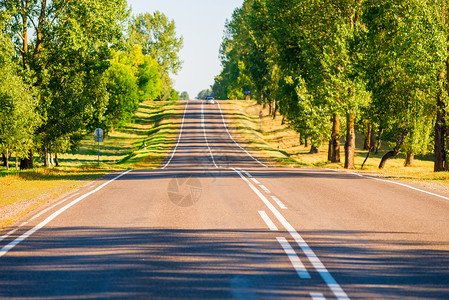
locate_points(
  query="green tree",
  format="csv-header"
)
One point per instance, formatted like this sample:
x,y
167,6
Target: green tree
x,y
18,116
203,94
122,92
184,96
174,95
402,72
67,57
157,35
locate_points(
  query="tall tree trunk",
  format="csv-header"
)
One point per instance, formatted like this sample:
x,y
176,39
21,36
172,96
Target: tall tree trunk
x,y
7,159
25,36
369,137
4,159
409,159
372,139
275,109
45,157
379,141
335,154
17,161
329,152
314,150
283,120
306,142
40,28
440,134
366,158
56,159
27,163
350,141
395,151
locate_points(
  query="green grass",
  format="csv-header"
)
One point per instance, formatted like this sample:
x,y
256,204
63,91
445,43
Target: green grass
x,y
155,124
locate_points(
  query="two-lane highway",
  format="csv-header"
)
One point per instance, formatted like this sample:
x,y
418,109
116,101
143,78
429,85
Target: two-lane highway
x,y
216,222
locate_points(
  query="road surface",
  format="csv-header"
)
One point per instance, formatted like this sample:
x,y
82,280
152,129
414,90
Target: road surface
x,y
215,222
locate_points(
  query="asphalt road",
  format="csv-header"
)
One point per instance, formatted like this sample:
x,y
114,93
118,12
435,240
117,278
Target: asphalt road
x,y
216,223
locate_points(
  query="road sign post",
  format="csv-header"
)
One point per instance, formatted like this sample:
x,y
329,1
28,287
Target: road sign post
x,y
98,138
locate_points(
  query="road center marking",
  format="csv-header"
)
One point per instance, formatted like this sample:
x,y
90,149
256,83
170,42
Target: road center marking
x,y
313,258
27,234
205,136
267,220
317,296
294,259
264,188
255,180
278,202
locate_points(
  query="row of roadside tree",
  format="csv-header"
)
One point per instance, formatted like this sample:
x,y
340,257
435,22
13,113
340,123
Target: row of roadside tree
x,y
68,67
380,67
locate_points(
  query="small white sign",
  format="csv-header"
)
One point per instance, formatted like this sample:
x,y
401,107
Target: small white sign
x,y
99,132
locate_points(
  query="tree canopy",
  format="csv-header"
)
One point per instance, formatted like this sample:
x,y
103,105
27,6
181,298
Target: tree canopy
x,y
361,64
74,66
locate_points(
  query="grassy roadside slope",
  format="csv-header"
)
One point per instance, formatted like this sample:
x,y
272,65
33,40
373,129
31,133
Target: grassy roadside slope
x,y
155,124
268,135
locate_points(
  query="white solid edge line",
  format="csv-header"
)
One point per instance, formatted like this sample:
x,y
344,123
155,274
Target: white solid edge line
x,y
294,259
267,220
205,136
53,206
36,216
179,137
316,262
393,182
317,296
27,234
279,202
8,234
226,127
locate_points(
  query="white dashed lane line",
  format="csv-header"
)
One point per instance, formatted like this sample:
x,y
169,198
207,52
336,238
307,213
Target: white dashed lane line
x,y
264,188
267,220
313,258
317,296
279,202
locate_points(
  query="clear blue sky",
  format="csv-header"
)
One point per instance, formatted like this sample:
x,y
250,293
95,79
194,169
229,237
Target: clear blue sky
x,y
201,23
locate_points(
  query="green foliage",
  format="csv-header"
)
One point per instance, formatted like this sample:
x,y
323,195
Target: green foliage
x,y
380,62
79,69
122,91
203,94
405,47
156,34
184,96
174,95
18,115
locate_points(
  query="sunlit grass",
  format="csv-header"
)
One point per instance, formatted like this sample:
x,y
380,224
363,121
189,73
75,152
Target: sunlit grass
x,y
279,144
